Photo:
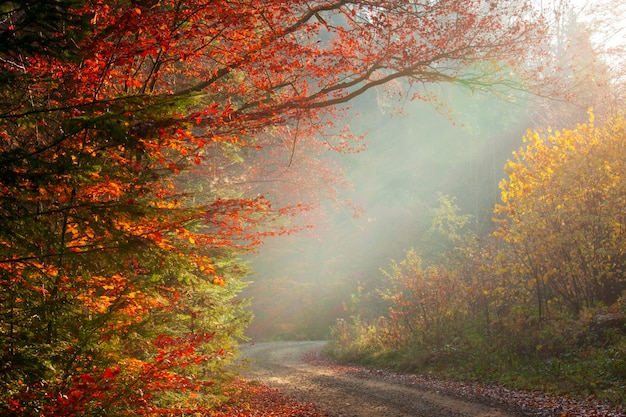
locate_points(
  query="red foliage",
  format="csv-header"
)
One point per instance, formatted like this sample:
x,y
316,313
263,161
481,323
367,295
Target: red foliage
x,y
117,186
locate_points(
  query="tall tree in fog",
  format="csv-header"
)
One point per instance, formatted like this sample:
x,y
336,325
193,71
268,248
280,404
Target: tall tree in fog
x,y
579,65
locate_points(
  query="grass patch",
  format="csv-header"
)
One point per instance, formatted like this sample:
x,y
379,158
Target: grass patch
x,y
588,372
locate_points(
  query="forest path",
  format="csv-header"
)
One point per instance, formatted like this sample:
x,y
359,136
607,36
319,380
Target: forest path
x,y
343,394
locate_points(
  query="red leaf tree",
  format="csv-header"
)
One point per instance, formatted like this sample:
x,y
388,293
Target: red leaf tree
x,y
137,141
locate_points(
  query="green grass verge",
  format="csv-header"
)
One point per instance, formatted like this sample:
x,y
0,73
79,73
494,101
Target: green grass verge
x,y
590,371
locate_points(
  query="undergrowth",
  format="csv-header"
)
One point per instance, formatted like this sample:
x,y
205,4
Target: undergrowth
x,y
556,360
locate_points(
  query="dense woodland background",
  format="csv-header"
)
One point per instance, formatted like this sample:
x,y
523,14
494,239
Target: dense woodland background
x,y
164,162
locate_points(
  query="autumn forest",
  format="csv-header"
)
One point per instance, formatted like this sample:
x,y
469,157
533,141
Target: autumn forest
x,y
173,174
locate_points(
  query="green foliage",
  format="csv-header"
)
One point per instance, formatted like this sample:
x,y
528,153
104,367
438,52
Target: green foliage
x,y
446,222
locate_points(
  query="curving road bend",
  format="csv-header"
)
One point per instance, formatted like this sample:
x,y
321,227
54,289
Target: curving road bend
x,y
339,394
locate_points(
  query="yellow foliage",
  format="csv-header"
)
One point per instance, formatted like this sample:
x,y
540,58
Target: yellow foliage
x,y
563,209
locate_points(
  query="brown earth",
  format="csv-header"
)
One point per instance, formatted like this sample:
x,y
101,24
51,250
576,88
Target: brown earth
x,y
338,392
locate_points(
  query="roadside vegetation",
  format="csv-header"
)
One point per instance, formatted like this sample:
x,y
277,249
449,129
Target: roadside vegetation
x,y
538,303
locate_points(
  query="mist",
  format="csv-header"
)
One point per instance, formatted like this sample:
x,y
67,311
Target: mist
x,y
415,151
456,145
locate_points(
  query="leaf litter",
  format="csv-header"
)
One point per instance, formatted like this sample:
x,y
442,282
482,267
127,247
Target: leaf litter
x,y
249,398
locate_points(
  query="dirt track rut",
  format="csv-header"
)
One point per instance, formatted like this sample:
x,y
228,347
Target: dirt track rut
x,y
339,394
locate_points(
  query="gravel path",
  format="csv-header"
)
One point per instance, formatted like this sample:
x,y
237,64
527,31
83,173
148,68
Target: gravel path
x,y
339,394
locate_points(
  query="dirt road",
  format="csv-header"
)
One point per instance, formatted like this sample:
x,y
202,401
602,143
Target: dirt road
x,y
343,394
